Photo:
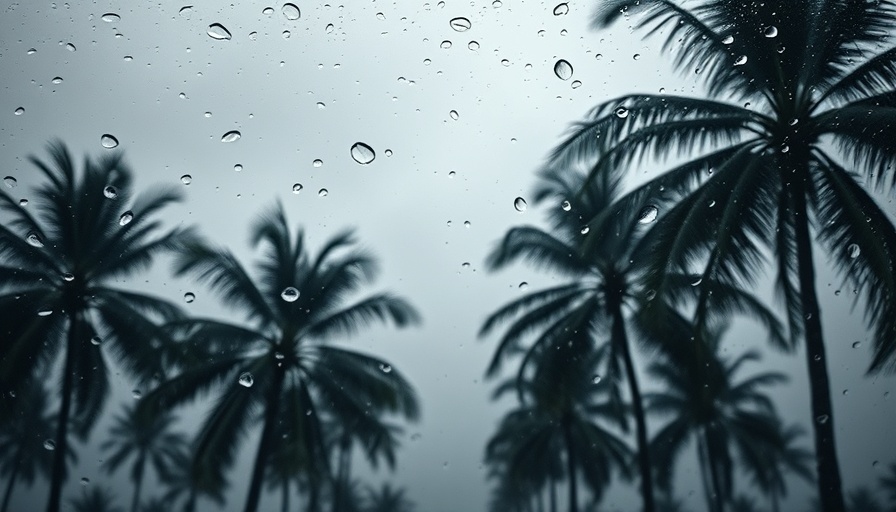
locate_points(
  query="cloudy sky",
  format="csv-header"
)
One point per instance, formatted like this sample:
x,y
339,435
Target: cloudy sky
x,y
389,75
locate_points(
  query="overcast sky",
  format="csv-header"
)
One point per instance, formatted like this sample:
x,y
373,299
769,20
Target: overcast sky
x,y
381,73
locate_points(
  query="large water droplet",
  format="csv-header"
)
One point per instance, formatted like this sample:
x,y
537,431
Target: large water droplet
x,y
218,31
189,297
563,69
561,9
111,17
362,153
34,240
126,218
854,251
50,445
771,31
246,380
19,111
110,192
460,24
10,182
68,277
317,162
291,11
231,136
289,294
648,214
520,204
108,141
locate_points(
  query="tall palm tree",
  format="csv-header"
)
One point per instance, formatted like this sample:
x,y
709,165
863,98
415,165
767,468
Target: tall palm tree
x,y
388,499
276,367
382,446
723,416
23,433
773,465
149,443
95,500
60,260
798,119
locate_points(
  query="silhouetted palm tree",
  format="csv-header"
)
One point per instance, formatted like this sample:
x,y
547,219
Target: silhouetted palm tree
x,y
277,363
888,483
147,442
814,120
23,433
95,500
387,499
383,446
60,260
743,504
181,482
723,416
773,466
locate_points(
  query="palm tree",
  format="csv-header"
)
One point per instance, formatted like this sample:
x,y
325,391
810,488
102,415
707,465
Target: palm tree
x,y
146,442
23,433
706,404
95,500
182,483
862,499
772,466
387,499
277,363
155,505
812,124
375,447
60,259
888,483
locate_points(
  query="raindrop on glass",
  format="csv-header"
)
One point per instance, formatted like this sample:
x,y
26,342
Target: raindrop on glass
x,y
19,111
125,218
595,379
467,224
85,481
566,206
856,344
45,312
473,45
68,277
57,80
771,31
108,141
34,240
237,167
854,251
362,153
291,11
460,24
563,69
317,162
445,44
186,179
96,341
385,368
70,47
388,152
185,10
111,17
189,297
329,28
454,115
50,445
728,39
231,136
520,204
648,215
822,419
740,61
323,192
584,230
218,31
561,9
267,11
621,112
523,285
10,182
137,394
296,188
246,380
576,84
289,294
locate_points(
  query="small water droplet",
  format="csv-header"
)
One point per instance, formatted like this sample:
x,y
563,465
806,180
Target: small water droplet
x,y
34,240
561,9
445,44
57,80
595,379
50,445
576,84
246,380
329,28
218,31
385,368
729,39
237,167
137,394
520,204
317,162
697,281
845,392
771,31
566,206
32,51
854,251
19,111
321,105
85,481
45,312
290,294
648,214
70,47
460,24
185,10
231,136
467,224
817,358
68,277
111,17
473,45
291,11
286,33
523,285
621,112
10,182
584,230
822,419
125,218
189,297
267,11
388,152
96,341
740,61
454,115
465,264
296,188
23,202
362,153
563,69
323,192
186,179
636,56
856,344
108,141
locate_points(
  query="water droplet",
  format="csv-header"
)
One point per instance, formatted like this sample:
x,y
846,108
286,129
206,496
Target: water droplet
x,y
323,192
291,11
286,34
845,392
218,31
385,368
10,182
50,445
231,136
34,240
621,112
388,152
321,105
467,224
125,218
96,341
137,394
296,188
595,379
317,162
648,215
454,115
108,141
520,204
740,61
289,294
329,28
68,277
380,16
523,285
576,84
460,24
854,251
85,481
465,264
111,17
445,44
267,11
856,344
32,51
189,297
817,358
70,47
57,80
771,31
563,69
566,206
253,36
561,9
697,281
728,39
636,56
822,419
584,230
473,45
362,153
185,10
451,174
19,111
45,312
23,202
186,179
237,167
246,380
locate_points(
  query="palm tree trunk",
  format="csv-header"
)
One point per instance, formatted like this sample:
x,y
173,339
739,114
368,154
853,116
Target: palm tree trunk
x,y
190,505
718,493
828,469
553,495
272,409
12,482
570,463
776,506
138,485
314,495
285,506
342,471
57,478
703,459
620,337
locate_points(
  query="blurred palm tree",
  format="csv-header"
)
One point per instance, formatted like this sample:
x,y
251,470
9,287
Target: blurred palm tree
x,y
181,483
60,259
743,503
387,499
95,500
23,432
276,367
155,505
723,416
772,467
888,483
798,122
380,442
149,443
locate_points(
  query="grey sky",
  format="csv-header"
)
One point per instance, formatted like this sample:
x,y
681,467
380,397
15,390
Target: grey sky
x,y
388,83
